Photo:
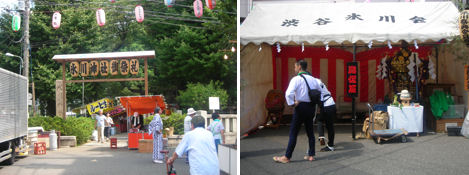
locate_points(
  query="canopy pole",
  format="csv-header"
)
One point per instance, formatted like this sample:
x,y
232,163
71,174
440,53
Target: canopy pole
x,y
353,97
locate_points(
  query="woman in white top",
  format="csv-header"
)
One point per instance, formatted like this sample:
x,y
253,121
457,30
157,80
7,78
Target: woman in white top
x,y
107,126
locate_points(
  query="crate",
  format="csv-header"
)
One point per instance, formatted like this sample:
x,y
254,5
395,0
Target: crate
x,y
441,123
454,130
454,111
39,148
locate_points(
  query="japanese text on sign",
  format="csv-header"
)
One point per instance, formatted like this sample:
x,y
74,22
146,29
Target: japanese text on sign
x,y
103,104
352,79
104,68
352,17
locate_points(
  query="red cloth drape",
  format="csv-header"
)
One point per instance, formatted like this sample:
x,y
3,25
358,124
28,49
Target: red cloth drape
x,y
142,105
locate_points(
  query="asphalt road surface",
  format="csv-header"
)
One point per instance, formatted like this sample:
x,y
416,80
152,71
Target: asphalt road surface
x,y
91,158
427,154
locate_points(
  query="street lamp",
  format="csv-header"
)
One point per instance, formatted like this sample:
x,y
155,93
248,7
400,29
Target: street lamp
x,y
21,59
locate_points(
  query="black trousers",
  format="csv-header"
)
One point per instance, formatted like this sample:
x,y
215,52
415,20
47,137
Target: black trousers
x,y
107,132
327,116
303,114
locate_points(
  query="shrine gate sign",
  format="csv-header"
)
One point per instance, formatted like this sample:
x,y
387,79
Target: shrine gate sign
x,y
102,65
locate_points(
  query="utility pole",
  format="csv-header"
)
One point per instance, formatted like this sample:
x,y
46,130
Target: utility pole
x,y
26,40
26,51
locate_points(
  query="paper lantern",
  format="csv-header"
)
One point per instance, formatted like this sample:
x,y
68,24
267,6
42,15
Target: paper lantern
x,y
169,3
139,13
198,8
112,1
56,18
464,25
210,4
16,22
100,17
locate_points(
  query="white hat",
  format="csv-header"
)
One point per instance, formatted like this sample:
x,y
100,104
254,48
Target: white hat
x,y
190,111
405,94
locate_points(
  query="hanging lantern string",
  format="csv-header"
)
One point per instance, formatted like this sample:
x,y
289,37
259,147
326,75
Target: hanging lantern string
x,y
154,12
43,3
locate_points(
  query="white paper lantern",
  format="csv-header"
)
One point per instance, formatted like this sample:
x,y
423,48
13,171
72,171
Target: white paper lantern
x,y
100,17
198,8
139,15
56,19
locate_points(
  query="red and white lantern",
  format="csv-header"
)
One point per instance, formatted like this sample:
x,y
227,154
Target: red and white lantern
x,y
56,19
100,17
139,16
198,8
112,1
210,4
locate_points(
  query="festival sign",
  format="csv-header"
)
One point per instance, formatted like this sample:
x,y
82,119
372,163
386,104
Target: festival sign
x,y
352,79
124,67
104,68
134,66
114,67
74,66
84,68
94,68
104,104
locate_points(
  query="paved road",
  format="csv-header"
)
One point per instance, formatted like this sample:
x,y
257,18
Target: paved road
x,y
427,154
91,158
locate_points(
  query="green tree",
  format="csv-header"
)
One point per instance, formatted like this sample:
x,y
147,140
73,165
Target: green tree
x,y
196,95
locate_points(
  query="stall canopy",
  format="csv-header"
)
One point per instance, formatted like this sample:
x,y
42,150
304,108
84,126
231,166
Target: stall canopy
x,y
142,104
266,66
346,23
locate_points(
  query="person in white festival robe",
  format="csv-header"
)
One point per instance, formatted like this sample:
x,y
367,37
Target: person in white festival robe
x,y
156,127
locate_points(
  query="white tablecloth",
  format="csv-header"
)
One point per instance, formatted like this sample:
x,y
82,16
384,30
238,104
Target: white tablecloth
x,y
409,118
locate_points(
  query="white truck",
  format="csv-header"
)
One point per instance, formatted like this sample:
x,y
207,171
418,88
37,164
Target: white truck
x,y
13,115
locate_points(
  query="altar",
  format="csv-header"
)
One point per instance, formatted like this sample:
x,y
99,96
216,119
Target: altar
x,y
409,118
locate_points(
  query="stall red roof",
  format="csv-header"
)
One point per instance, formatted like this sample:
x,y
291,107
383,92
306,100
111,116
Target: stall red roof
x,y
142,104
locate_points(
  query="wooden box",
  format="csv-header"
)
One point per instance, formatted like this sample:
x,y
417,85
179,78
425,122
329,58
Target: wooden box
x,y
441,123
145,146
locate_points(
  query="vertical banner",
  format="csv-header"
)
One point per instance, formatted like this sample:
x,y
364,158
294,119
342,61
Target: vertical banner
x,y
352,79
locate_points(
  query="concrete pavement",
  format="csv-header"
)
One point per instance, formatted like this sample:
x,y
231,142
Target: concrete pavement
x,y
427,154
91,158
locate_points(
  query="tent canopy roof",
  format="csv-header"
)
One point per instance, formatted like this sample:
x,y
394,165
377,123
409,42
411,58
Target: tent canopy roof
x,y
348,23
142,104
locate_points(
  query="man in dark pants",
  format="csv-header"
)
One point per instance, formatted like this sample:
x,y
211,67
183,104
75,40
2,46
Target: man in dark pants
x,y
297,96
327,116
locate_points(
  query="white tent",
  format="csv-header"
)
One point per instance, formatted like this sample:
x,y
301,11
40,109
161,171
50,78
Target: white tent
x,y
339,23
294,23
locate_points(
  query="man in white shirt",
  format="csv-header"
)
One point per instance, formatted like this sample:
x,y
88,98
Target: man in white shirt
x,y
297,96
187,125
100,125
328,115
199,143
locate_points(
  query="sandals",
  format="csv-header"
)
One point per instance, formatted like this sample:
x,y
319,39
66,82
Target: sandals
x,y
281,159
309,158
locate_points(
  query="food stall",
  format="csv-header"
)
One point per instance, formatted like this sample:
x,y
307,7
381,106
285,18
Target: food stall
x,y
142,105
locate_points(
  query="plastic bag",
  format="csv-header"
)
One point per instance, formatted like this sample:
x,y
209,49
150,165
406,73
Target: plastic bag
x,y
94,135
465,126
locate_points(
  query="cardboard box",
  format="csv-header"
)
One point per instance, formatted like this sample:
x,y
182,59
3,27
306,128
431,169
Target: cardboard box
x,y
145,146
